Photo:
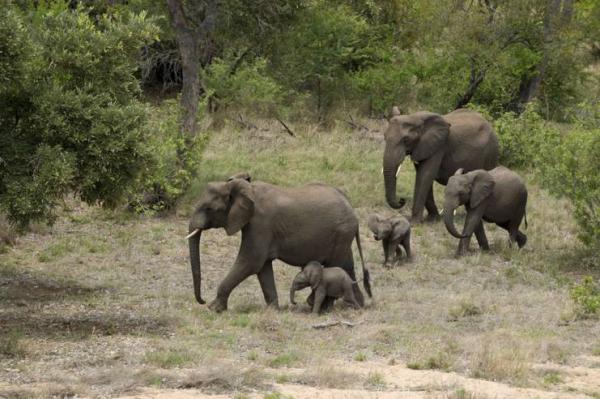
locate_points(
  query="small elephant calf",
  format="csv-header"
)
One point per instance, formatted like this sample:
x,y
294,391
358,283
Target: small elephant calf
x,y
497,196
392,232
325,282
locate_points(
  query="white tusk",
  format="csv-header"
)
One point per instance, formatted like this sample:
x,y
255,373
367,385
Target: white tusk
x,y
454,212
441,212
381,170
193,233
398,170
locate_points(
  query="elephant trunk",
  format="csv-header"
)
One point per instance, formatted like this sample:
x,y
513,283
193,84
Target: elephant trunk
x,y
292,292
449,220
391,162
300,282
194,245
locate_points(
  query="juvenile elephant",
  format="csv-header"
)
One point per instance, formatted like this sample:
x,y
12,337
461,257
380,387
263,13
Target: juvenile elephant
x,y
331,282
393,233
498,196
295,225
438,146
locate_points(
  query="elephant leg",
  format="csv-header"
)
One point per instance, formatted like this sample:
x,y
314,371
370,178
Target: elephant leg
x,y
350,299
472,221
386,254
521,239
481,238
310,300
432,211
249,261
267,284
406,245
345,260
516,235
327,302
391,249
427,171
319,299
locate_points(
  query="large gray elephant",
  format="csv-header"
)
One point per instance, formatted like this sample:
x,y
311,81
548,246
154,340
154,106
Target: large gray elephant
x,y
438,146
498,196
296,225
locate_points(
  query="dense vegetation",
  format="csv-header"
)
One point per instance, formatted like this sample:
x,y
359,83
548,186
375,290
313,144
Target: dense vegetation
x,y
74,76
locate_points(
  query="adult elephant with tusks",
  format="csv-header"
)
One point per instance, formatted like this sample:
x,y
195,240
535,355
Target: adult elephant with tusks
x,y
314,222
438,146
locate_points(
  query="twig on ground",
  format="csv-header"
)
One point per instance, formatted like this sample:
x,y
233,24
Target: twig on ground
x,y
287,129
336,323
356,125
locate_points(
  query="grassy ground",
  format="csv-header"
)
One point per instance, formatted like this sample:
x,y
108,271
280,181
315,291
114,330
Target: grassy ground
x,y
103,304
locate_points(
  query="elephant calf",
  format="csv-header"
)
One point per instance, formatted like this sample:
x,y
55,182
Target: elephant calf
x,y
332,282
498,196
393,233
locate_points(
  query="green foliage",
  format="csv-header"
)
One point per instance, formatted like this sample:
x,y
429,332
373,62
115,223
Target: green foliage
x,y
571,170
69,119
247,87
172,162
318,54
522,137
586,297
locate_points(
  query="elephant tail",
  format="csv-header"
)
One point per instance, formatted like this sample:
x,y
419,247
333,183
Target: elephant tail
x,y
366,277
526,224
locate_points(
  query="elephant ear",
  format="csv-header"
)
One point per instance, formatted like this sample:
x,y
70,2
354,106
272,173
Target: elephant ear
x,y
373,222
434,133
240,175
400,227
315,276
483,185
241,205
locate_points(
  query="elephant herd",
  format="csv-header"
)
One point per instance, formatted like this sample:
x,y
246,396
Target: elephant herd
x,y
313,226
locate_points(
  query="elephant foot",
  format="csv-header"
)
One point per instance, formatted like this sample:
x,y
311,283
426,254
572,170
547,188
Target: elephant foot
x,y
521,240
218,306
274,304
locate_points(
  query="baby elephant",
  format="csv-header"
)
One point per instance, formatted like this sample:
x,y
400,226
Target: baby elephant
x,y
498,196
393,233
332,282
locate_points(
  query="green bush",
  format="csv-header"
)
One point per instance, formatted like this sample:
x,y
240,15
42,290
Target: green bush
x,y
167,175
522,138
586,297
571,170
70,120
247,87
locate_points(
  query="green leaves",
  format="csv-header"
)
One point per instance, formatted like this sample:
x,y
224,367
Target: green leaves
x,y
70,121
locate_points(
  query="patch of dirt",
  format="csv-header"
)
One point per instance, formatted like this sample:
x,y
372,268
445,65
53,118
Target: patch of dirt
x,y
394,381
81,326
19,288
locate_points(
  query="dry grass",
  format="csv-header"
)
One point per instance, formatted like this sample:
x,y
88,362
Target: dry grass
x,y
103,302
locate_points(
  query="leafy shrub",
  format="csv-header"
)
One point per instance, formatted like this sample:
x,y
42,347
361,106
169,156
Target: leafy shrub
x,y
172,163
385,84
571,170
586,297
247,86
70,120
522,137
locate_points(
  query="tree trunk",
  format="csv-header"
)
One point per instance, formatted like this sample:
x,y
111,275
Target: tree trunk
x,y
474,82
196,46
529,86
